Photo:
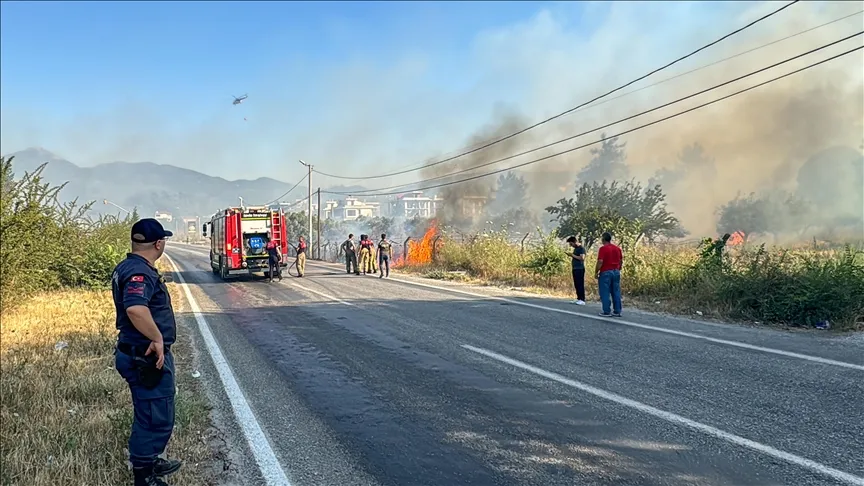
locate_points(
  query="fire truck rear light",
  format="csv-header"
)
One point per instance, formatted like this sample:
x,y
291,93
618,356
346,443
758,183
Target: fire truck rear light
x,y
227,246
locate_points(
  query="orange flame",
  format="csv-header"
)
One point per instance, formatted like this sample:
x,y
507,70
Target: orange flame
x,y
737,238
420,252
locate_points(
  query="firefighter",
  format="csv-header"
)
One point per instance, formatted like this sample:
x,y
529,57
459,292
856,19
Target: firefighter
x,y
349,248
385,252
274,258
367,262
145,321
301,257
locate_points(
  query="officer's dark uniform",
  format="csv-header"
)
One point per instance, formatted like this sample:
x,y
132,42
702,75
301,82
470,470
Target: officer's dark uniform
x,y
137,282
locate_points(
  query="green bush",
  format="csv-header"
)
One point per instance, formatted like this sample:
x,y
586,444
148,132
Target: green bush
x,y
47,244
796,288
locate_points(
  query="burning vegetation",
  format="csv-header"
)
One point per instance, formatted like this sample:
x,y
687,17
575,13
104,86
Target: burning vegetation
x,y
419,252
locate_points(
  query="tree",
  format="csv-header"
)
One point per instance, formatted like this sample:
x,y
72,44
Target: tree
x,y
626,210
609,162
747,215
511,193
376,224
692,161
296,223
415,226
518,220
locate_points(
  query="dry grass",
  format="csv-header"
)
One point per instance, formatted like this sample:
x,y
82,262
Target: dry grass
x,y
66,413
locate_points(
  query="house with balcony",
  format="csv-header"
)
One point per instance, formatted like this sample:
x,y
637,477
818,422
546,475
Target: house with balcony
x,y
414,204
353,208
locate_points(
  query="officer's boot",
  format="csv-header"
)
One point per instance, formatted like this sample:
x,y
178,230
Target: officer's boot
x,y
164,467
144,477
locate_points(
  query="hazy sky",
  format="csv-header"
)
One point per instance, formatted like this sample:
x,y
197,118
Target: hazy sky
x,y
351,87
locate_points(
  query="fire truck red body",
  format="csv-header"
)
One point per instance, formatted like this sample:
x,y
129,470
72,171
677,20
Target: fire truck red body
x,y
238,239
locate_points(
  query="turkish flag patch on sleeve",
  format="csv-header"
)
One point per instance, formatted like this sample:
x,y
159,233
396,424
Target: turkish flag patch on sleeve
x,y
137,278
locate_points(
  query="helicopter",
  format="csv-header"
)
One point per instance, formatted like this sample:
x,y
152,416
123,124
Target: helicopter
x,y
239,100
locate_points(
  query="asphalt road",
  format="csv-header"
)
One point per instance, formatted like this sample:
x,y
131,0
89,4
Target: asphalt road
x,y
357,380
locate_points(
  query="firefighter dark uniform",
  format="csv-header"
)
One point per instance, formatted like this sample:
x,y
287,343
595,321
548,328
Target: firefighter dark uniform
x,y
350,250
136,282
274,258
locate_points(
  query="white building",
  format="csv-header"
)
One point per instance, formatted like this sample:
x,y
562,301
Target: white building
x,y
355,208
415,204
163,216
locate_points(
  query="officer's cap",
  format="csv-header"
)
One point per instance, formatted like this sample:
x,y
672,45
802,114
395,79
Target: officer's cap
x,y
149,230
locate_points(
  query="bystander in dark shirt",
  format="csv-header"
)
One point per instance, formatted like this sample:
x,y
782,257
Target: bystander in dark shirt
x,y
578,264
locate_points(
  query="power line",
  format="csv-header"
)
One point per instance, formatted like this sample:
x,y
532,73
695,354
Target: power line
x,y
469,169
299,201
519,132
601,127
627,131
289,190
628,93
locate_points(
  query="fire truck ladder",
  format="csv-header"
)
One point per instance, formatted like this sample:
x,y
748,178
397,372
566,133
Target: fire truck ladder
x,y
276,228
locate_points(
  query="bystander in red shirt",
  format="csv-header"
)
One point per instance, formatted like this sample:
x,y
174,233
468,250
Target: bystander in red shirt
x,y
611,256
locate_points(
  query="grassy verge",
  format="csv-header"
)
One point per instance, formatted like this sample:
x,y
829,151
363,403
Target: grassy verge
x,y
66,413
788,287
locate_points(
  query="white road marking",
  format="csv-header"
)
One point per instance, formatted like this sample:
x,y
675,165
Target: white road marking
x,y
269,465
608,320
676,419
625,322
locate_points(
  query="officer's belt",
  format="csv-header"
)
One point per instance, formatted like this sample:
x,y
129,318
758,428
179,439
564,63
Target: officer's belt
x,y
131,350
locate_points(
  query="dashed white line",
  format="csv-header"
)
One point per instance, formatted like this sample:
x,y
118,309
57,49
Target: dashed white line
x,y
269,465
676,419
737,344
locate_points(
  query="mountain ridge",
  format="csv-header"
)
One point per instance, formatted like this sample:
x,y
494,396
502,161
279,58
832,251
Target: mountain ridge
x,y
149,186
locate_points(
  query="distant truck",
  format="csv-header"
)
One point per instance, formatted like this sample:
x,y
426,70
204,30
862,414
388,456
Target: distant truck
x,y
238,240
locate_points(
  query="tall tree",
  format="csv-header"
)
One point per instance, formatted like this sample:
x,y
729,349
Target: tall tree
x,y
609,162
627,210
511,192
747,215
692,161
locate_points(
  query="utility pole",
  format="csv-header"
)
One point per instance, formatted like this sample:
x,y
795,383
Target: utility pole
x,y
241,201
319,223
309,197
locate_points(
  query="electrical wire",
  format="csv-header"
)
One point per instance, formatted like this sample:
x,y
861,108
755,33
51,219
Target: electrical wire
x,y
289,206
519,132
627,131
469,169
289,190
648,86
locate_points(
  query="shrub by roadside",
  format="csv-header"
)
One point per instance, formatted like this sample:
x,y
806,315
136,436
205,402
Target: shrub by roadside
x,y
65,413
48,245
797,288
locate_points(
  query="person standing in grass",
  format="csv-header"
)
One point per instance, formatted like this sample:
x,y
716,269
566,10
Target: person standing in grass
x,y
578,259
145,321
608,273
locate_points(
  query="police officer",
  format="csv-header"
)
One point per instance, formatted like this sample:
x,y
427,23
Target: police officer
x,y
143,356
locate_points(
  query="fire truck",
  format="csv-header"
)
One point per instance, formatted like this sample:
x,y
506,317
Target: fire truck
x,y
239,236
